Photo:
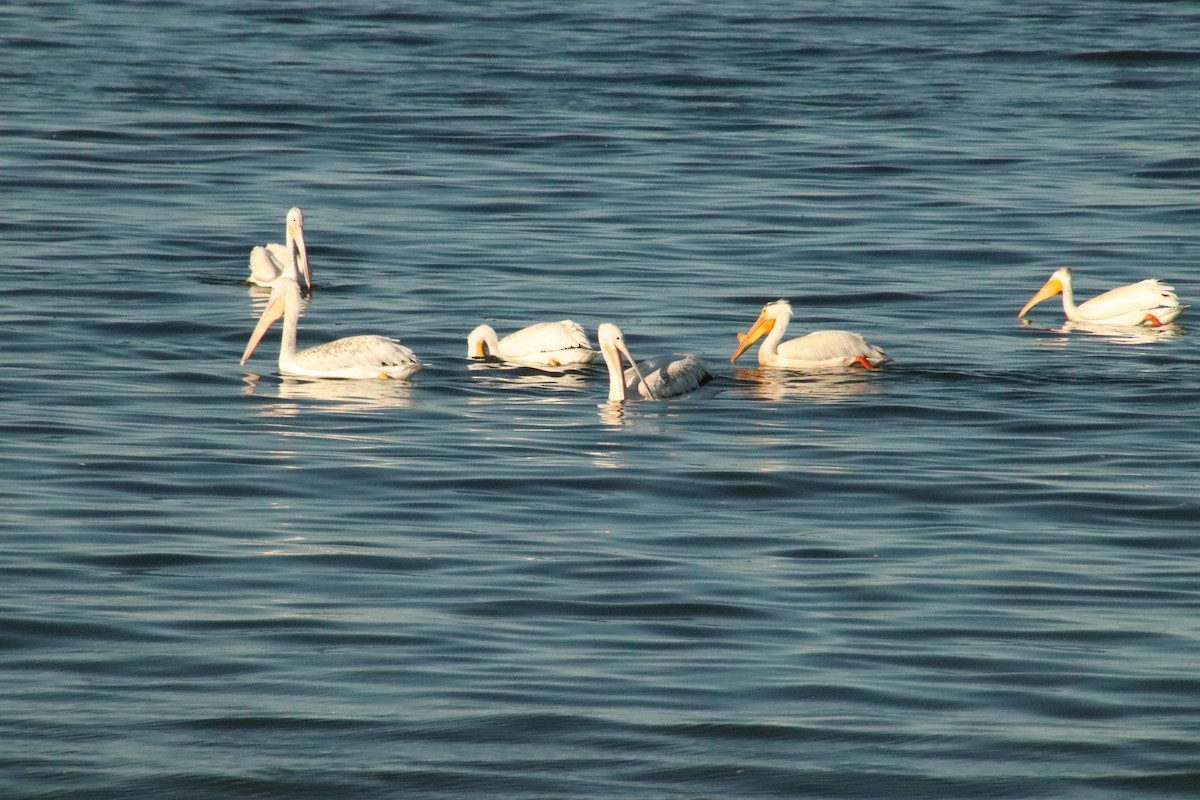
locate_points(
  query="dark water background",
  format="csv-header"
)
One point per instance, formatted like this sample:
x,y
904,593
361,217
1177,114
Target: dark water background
x,y
972,574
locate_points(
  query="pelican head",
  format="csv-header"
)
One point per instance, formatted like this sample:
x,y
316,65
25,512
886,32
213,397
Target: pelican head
x,y
295,239
779,311
482,341
612,347
1059,282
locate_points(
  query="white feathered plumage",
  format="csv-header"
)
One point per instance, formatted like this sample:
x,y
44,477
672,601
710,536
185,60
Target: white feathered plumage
x,y
351,357
653,379
1150,302
553,344
830,349
268,262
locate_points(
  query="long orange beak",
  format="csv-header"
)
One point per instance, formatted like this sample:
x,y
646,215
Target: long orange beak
x,y
272,312
761,326
1053,286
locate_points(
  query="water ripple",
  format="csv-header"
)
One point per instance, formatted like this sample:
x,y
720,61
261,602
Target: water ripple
x,y
969,574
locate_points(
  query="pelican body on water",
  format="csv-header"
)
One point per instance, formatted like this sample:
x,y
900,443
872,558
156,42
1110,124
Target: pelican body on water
x,y
1145,303
352,357
552,344
268,262
654,379
818,350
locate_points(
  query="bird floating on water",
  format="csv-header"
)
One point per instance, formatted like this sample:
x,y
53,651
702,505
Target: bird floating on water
x,y
553,344
268,262
1145,303
654,379
818,350
352,357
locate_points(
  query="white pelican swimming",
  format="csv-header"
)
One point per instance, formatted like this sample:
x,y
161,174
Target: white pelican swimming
x,y
351,357
270,261
653,379
555,344
817,350
1147,302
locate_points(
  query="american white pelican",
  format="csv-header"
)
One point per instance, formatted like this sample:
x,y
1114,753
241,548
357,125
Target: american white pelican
x,y
270,261
554,344
351,357
653,379
1147,302
817,350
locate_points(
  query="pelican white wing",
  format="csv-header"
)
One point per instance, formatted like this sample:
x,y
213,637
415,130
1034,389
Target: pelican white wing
x,y
671,375
365,356
830,348
267,263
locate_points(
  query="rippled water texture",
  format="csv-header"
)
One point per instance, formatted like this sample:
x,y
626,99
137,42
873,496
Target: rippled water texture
x,y
972,573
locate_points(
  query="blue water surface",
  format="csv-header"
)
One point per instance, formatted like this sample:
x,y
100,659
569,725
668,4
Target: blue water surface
x,y
972,573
